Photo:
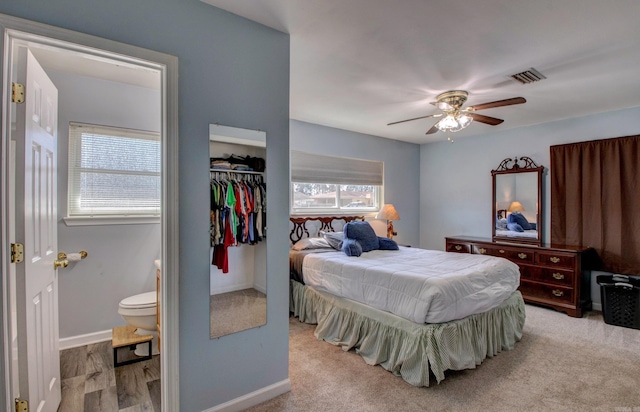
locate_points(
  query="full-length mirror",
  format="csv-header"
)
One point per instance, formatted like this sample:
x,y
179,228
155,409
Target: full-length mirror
x,y
238,253
517,200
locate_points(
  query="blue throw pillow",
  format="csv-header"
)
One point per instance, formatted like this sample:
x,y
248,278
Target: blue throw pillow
x,y
385,243
518,218
514,227
363,233
351,247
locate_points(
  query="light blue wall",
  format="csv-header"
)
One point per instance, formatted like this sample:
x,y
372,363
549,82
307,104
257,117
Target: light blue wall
x,y
455,185
122,256
401,163
233,72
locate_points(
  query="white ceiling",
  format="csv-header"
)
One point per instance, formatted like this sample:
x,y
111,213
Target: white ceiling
x,y
360,64
53,58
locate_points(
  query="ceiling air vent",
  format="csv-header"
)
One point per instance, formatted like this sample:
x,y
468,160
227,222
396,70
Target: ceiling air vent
x,y
528,76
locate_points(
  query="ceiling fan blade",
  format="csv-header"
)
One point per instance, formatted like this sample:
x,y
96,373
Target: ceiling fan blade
x,y
499,103
416,118
485,119
434,128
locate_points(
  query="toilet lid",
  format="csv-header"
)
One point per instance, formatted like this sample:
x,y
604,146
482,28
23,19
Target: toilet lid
x,y
143,300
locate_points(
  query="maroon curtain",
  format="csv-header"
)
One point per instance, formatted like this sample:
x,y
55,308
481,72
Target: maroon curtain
x,y
595,199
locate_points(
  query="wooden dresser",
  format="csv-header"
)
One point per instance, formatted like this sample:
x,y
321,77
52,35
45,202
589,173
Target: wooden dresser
x,y
550,275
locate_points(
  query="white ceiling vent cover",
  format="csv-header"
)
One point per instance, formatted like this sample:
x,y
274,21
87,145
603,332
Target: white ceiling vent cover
x,y
528,76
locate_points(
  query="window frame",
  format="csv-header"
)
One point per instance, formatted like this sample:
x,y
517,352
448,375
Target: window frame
x,y
336,210
96,217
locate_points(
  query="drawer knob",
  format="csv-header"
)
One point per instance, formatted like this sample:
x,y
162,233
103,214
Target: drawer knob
x,y
501,251
557,292
558,276
482,251
458,247
554,259
522,255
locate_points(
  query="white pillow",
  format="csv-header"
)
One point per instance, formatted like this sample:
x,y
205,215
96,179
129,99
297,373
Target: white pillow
x,y
311,243
334,239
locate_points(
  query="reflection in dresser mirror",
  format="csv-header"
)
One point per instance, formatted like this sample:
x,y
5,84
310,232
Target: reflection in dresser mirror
x,y
517,201
238,247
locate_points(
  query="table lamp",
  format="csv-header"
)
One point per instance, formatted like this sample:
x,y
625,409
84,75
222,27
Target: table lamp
x,y
389,213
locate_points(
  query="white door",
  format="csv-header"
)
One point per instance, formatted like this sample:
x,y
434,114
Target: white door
x,y
36,212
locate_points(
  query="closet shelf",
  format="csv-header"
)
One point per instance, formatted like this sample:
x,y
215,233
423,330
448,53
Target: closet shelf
x,y
246,172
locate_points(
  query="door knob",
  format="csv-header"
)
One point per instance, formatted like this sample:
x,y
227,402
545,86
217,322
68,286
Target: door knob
x,y
60,263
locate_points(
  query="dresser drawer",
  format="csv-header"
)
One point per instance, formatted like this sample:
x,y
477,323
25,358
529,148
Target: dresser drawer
x,y
514,255
558,294
528,272
556,259
552,276
458,247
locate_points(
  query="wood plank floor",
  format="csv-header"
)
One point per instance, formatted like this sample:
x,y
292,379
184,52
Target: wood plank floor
x,y
90,383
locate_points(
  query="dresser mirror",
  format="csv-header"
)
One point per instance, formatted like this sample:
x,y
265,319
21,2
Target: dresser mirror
x,y
517,200
238,246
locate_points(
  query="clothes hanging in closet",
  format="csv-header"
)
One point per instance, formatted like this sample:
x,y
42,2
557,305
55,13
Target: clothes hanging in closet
x,y
238,213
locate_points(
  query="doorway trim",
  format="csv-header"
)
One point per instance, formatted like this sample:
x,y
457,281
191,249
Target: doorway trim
x,y
13,28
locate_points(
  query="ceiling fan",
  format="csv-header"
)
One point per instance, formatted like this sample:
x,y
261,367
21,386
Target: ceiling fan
x,y
455,117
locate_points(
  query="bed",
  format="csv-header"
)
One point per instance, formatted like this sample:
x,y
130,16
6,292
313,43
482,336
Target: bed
x,y
384,315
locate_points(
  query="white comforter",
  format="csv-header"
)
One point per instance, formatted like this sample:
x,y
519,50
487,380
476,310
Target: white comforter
x,y
417,284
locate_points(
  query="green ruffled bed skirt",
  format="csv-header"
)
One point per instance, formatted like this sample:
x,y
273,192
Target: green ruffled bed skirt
x,y
406,348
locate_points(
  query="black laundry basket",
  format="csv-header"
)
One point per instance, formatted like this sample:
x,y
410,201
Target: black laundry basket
x,y
620,300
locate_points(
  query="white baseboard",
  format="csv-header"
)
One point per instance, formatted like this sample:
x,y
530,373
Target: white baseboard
x,y
260,288
81,340
596,306
231,288
253,398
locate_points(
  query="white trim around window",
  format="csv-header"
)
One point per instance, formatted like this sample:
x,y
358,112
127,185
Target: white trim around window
x,y
113,173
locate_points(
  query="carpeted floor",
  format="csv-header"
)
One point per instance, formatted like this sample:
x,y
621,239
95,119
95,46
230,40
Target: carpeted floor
x,y
233,312
561,364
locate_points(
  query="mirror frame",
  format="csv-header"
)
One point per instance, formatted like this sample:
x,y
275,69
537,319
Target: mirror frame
x,y
245,140
510,166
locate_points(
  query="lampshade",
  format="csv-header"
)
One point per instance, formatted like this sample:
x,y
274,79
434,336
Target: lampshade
x,y
516,207
388,212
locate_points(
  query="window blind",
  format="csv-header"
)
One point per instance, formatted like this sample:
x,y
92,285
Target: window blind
x,y
314,168
113,171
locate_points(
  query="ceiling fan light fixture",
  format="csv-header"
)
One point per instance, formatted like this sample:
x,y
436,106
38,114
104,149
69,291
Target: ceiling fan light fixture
x,y
454,122
464,120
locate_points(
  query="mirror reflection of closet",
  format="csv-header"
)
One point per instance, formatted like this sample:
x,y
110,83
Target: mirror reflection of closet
x,y
238,288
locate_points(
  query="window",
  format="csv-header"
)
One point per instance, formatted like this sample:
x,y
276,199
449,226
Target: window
x,y
329,184
113,172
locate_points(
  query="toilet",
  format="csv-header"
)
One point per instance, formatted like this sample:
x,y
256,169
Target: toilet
x,y
140,311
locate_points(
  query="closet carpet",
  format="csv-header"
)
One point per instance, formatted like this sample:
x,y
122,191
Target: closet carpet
x,y
235,311
90,383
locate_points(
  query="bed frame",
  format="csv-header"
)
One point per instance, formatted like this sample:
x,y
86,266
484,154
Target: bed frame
x,y
407,349
300,230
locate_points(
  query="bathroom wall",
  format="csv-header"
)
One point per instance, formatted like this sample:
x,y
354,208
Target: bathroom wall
x,y
120,261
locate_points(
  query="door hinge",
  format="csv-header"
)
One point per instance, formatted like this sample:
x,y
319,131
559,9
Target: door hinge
x,y
17,93
22,406
17,253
